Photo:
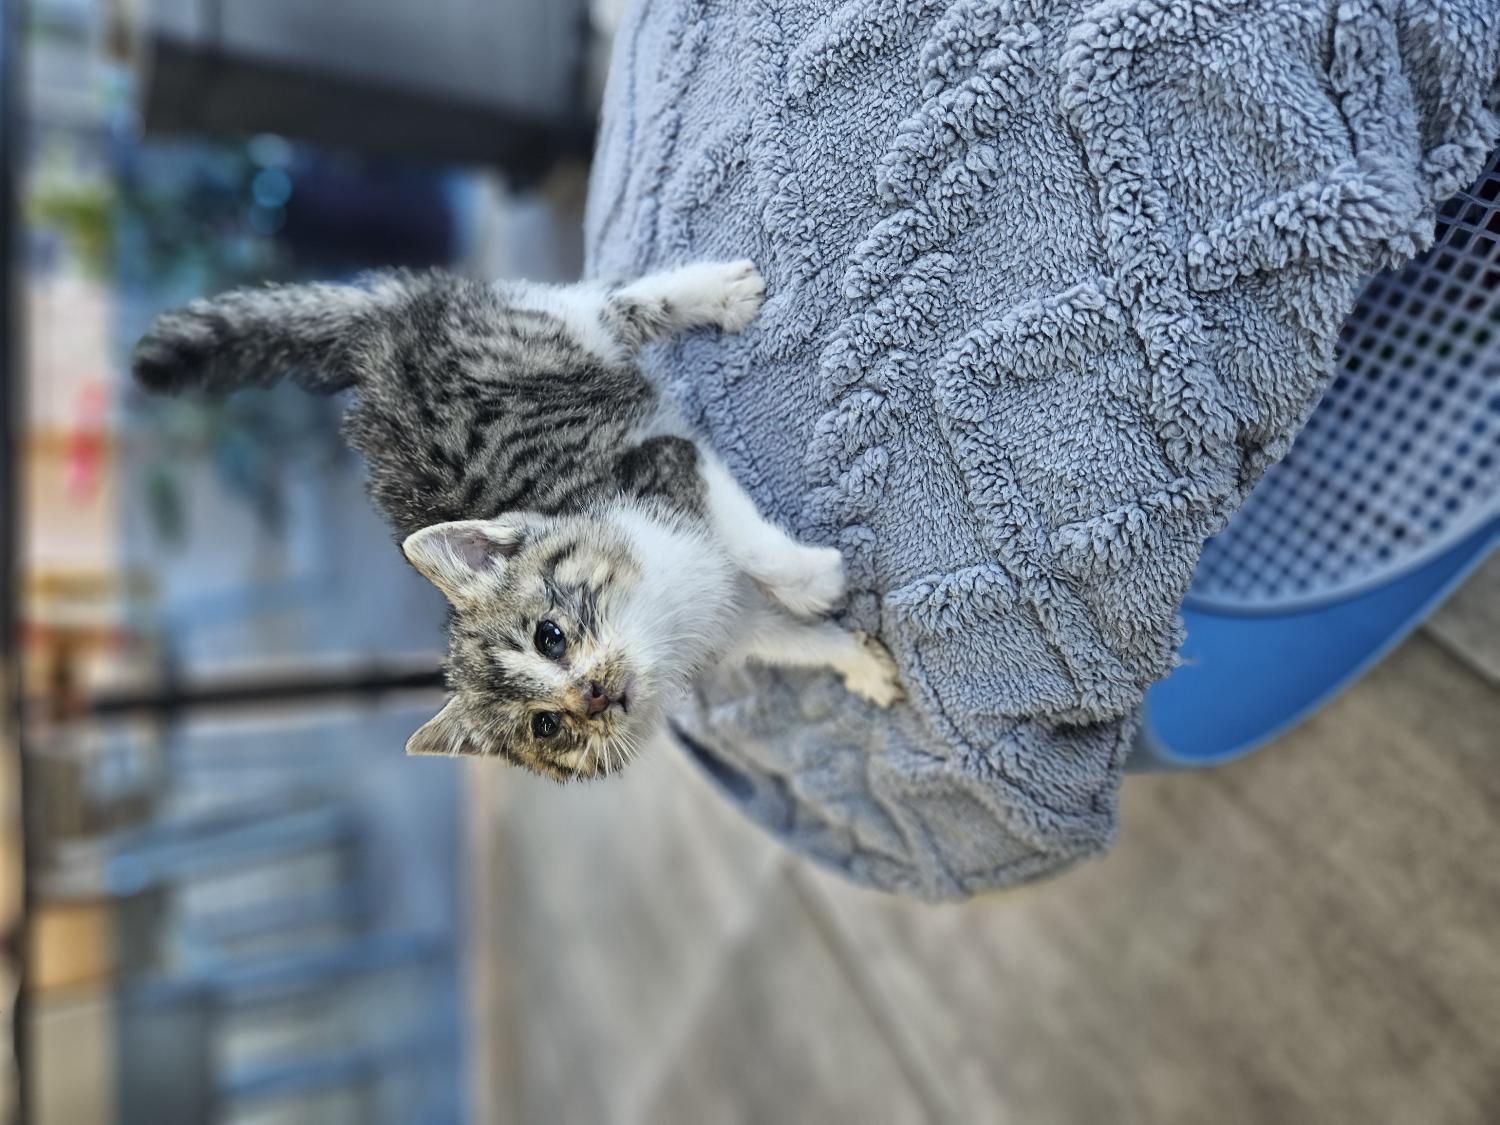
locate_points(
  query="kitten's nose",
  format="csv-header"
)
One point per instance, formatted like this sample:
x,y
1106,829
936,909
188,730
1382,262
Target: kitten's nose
x,y
595,699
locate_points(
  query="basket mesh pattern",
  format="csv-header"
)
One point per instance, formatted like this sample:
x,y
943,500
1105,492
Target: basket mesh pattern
x,y
1401,458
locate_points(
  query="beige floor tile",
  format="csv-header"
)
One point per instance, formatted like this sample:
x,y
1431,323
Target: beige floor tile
x,y
608,914
783,1037
1469,621
1304,936
1307,935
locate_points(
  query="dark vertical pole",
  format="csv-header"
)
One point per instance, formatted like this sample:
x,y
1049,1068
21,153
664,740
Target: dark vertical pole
x,y
11,426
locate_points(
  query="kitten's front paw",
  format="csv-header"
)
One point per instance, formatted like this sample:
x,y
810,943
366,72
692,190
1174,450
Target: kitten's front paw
x,y
741,290
807,584
873,675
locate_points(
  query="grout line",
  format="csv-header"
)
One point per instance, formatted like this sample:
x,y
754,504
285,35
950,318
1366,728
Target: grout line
x,y
924,1084
1460,654
494,1086
632,1102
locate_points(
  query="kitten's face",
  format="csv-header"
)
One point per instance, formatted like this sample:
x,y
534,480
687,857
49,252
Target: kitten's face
x,y
542,662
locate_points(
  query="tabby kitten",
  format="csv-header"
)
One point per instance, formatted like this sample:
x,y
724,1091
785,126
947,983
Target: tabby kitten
x,y
597,558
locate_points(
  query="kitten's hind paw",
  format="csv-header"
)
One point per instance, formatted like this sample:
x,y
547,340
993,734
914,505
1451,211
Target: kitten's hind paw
x,y
808,582
738,292
872,674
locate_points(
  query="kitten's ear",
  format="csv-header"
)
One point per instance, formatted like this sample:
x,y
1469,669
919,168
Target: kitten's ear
x,y
463,558
445,733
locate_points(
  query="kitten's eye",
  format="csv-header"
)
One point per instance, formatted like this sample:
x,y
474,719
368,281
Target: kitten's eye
x,y
544,724
550,641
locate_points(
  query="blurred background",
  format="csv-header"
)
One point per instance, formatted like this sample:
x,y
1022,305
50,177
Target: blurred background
x,y
230,898
243,904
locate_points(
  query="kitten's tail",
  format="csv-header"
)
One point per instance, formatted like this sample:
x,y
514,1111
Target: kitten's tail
x,y
256,337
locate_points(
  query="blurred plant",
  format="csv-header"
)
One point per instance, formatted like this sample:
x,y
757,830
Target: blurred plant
x,y
165,221
191,219
82,212
256,443
160,222
184,218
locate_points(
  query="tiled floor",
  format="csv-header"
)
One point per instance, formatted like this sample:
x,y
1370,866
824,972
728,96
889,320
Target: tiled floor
x,y
1311,934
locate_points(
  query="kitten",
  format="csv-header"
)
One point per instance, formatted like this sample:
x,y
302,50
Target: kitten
x,y
596,557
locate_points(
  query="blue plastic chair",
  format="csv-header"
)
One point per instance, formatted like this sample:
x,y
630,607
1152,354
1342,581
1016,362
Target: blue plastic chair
x,y
1387,500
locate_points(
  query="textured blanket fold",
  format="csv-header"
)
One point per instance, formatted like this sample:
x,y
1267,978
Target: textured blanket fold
x,y
1050,285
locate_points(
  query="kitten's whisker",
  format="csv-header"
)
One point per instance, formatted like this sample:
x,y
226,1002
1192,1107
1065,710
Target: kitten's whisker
x,y
629,748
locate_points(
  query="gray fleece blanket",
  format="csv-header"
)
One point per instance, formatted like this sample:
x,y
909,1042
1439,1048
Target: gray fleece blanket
x,y
1050,285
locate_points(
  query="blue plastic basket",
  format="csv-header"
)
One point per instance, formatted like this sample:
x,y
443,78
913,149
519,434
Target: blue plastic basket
x,y
1388,498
